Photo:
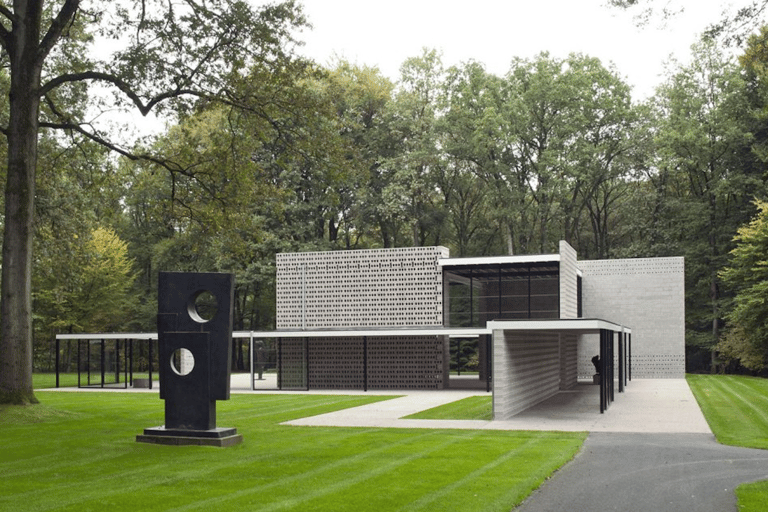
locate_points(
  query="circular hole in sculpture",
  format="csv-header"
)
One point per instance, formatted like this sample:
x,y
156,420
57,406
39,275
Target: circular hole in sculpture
x,y
204,307
182,362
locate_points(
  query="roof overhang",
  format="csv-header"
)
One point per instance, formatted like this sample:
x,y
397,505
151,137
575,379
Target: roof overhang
x,y
575,326
498,260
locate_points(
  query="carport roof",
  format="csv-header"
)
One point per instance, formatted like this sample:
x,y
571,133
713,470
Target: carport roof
x,y
575,325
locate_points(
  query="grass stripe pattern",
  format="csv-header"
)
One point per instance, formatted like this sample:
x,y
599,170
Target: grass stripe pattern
x,y
77,452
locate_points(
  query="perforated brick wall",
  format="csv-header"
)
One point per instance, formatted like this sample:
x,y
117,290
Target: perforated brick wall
x,y
393,362
291,362
336,363
370,288
405,362
647,295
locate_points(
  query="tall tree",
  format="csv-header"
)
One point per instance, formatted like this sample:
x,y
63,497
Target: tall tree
x,y
410,193
570,127
359,96
746,338
473,135
705,157
167,53
736,22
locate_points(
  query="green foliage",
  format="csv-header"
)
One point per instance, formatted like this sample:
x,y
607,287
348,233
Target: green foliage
x,y
704,178
90,291
78,451
747,275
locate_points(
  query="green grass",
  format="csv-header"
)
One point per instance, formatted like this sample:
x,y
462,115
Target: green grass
x,y
472,408
67,380
736,408
48,380
77,452
752,497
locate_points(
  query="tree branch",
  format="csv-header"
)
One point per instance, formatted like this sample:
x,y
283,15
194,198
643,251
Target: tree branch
x,y
123,86
7,13
170,166
65,16
5,35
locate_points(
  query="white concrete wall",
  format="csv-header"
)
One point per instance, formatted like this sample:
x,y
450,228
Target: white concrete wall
x,y
527,370
569,296
647,295
568,361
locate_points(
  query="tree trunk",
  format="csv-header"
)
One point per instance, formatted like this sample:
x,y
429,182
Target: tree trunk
x,y
16,290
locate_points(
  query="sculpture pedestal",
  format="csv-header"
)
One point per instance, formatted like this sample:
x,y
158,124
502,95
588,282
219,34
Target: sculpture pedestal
x,y
221,437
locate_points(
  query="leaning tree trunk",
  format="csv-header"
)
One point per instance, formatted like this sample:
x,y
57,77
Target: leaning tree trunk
x,y
16,288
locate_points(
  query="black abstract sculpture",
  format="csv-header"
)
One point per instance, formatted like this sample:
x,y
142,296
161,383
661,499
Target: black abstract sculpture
x,y
194,328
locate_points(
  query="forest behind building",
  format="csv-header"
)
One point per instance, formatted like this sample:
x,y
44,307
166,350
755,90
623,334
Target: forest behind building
x,y
304,157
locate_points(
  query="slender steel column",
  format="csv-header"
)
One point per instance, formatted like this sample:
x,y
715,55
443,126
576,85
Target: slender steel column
x,y
150,364
57,362
250,356
78,363
306,361
621,362
117,361
488,361
103,360
603,371
88,361
471,299
610,362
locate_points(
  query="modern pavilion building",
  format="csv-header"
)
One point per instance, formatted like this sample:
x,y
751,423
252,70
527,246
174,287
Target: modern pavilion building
x,y
393,318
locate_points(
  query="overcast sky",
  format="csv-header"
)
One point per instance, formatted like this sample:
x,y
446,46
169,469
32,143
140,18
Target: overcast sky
x,y
385,33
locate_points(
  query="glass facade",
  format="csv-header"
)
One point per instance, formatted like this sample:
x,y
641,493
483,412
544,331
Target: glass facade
x,y
505,291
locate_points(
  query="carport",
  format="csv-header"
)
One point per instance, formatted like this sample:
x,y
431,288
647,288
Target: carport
x,y
534,360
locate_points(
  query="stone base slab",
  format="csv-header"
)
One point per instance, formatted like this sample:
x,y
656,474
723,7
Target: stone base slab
x,y
221,437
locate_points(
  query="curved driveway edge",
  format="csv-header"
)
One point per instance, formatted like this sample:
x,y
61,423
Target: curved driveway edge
x,y
650,472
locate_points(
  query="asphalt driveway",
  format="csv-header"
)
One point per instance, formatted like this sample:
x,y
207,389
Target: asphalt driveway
x,y
650,472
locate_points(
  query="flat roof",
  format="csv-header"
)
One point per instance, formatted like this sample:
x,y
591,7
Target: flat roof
x,y
577,325
498,260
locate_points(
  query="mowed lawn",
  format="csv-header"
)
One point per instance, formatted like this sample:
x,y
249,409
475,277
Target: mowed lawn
x,y
77,451
736,408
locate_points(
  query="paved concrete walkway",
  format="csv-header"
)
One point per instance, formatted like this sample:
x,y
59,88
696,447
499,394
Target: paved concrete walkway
x,y
648,406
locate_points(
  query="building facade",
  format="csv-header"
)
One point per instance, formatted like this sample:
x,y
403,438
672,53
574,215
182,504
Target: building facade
x,y
408,318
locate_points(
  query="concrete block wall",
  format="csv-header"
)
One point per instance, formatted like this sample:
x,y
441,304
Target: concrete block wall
x,y
647,295
406,362
367,288
336,363
569,376
527,370
569,292
387,362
